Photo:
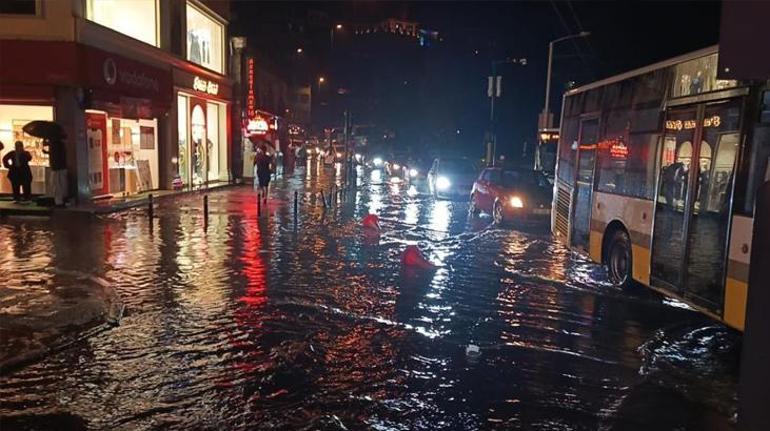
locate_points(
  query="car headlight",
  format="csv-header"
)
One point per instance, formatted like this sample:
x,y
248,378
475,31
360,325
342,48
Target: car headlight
x,y
339,155
443,183
377,161
413,172
516,202
396,166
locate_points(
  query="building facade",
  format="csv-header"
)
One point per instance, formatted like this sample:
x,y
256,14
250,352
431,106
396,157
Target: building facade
x,y
141,88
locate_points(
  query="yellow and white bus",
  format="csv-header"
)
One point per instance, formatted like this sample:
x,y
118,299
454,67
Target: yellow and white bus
x,y
656,174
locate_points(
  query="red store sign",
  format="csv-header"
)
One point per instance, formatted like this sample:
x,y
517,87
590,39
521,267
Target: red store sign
x,y
106,71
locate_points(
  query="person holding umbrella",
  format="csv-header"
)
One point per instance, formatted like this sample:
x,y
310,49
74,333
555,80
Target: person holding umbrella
x,y
57,160
19,172
53,144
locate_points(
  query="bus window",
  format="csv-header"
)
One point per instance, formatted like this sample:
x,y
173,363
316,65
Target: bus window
x,y
629,171
758,167
567,149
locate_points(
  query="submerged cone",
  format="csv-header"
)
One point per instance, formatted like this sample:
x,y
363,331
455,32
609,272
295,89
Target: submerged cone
x,y
413,257
371,221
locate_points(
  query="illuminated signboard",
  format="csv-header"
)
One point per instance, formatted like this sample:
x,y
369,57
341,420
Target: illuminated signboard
x,y
205,86
257,126
618,151
714,121
251,99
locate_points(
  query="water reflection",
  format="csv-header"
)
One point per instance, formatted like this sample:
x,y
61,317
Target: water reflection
x,y
250,322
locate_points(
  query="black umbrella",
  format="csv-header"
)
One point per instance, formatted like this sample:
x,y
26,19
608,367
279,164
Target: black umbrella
x,y
44,129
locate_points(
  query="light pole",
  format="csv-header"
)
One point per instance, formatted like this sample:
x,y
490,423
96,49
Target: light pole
x,y
331,35
493,91
544,121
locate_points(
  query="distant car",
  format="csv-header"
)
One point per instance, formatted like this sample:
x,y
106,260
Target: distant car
x,y
512,195
451,177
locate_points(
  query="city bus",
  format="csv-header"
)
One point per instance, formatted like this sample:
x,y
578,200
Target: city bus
x,y
656,175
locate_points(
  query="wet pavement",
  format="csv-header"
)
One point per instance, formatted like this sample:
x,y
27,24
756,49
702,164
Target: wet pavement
x,y
247,322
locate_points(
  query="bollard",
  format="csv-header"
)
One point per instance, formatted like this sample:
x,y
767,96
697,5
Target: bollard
x,y
259,204
205,208
149,207
295,207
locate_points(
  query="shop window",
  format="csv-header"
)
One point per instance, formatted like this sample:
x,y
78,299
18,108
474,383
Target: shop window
x,y
19,7
135,18
698,76
628,168
205,39
132,156
12,119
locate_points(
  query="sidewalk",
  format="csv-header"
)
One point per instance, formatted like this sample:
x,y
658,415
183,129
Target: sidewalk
x,y
104,206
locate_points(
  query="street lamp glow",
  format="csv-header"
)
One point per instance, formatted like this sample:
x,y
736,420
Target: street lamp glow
x,y
299,50
321,80
339,26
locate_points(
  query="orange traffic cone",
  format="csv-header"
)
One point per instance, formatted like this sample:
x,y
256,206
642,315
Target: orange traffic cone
x,y
413,257
371,221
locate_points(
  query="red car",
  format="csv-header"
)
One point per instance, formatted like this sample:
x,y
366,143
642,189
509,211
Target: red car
x,y
512,195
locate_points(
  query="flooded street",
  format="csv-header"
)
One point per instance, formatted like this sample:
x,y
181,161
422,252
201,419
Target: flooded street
x,y
253,324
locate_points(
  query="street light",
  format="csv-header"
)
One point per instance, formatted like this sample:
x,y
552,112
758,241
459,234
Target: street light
x,y
299,50
331,35
546,111
321,80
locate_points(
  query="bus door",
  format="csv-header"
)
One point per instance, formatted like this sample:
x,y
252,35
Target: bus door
x,y
584,182
693,204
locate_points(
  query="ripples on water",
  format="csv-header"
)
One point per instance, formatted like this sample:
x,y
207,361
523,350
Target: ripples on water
x,y
253,324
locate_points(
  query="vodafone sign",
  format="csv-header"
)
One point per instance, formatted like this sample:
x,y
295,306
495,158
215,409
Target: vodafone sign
x,y
128,77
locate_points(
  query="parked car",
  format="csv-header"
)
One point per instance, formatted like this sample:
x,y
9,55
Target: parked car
x,y
451,177
512,195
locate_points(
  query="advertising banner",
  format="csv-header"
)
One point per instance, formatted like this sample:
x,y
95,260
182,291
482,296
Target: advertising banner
x,y
96,135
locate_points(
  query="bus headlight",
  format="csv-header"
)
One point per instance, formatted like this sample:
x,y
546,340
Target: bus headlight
x,y
516,202
443,183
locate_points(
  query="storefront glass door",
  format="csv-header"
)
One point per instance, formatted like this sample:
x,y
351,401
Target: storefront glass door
x,y
183,160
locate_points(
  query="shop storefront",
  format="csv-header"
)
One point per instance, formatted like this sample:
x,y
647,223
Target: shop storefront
x,y
125,100
109,105
12,118
202,108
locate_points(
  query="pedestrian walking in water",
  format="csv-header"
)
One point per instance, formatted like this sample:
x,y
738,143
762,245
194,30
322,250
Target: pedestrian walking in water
x,y
58,163
263,162
19,172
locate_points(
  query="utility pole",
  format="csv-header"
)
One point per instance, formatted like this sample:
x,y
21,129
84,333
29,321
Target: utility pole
x,y
494,91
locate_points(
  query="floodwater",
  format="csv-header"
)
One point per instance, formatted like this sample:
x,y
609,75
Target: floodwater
x,y
252,323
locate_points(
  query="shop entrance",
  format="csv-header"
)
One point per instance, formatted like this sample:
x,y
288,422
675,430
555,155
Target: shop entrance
x,y
202,141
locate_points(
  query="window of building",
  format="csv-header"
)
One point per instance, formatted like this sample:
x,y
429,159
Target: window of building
x,y
19,7
205,39
135,18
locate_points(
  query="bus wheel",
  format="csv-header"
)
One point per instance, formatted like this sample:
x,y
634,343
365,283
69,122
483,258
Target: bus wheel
x,y
619,259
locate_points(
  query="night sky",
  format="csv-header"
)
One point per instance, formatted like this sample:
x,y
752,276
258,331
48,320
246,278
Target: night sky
x,y
443,86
